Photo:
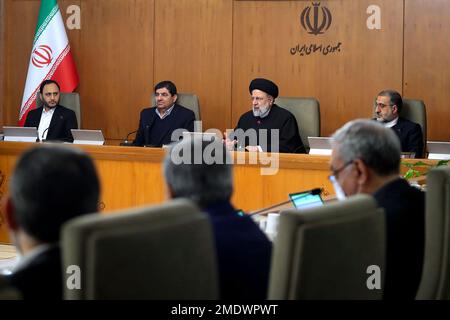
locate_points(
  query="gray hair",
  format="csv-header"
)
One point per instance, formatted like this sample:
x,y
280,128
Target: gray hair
x,y
376,145
52,184
201,180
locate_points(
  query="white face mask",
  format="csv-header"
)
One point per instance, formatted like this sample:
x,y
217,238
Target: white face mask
x,y
340,194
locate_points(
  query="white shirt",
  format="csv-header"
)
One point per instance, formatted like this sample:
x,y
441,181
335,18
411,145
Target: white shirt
x,y
390,124
44,124
168,111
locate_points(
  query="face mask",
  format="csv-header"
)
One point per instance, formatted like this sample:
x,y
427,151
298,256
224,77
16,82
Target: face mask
x,y
340,194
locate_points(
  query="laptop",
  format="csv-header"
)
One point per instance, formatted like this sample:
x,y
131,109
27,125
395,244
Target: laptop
x,y
438,150
21,134
319,146
306,199
92,137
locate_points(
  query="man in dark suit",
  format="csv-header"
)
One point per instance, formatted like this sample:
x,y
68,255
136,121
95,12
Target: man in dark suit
x,y
389,104
157,124
52,120
50,185
243,250
366,159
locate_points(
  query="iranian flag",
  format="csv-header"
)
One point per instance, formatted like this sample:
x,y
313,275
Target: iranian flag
x,y
50,57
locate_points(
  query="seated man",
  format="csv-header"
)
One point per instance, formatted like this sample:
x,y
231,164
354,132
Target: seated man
x,y
265,114
52,120
50,185
156,124
243,250
366,159
389,104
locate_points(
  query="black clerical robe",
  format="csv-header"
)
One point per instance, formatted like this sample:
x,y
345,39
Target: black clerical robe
x,y
278,118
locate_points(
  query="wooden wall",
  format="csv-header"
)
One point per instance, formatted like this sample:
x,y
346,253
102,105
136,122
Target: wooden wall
x,y
215,47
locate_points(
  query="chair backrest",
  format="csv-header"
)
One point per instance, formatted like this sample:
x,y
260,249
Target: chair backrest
x,y
70,100
307,114
159,252
325,252
415,111
435,282
187,100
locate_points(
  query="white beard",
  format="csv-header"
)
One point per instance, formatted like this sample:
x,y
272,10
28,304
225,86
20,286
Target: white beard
x,y
262,112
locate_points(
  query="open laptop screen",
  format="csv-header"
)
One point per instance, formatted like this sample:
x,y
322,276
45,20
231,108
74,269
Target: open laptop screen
x,y
306,199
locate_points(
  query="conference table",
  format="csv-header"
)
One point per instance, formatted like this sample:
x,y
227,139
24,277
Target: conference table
x,y
133,176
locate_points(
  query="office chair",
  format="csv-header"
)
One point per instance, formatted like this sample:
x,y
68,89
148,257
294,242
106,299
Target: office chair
x,y
158,252
435,282
326,252
307,114
187,100
414,110
70,100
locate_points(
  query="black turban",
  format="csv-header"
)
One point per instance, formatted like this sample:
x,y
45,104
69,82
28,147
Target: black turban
x,y
264,85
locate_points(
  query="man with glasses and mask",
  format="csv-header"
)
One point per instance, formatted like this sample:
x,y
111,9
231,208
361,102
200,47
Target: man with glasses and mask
x,y
265,114
366,159
388,106
52,120
157,124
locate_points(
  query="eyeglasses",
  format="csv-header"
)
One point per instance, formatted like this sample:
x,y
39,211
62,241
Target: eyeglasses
x,y
335,174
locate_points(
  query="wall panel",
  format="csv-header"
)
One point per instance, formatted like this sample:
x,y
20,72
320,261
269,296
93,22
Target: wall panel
x,y
115,63
345,82
215,47
193,48
427,57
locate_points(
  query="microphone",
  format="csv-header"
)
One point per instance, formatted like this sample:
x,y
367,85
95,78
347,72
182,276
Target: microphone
x,y
147,132
61,117
126,142
313,192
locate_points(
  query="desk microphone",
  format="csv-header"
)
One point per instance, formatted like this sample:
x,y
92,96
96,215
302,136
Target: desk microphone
x,y
313,192
61,117
126,142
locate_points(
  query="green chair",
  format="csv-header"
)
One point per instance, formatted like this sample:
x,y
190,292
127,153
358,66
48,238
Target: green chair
x,y
307,113
435,282
158,252
327,252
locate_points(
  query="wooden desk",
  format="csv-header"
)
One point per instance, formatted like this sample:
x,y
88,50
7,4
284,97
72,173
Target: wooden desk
x,y
132,176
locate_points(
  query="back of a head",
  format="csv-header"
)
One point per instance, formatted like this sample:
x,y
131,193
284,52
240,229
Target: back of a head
x,y
199,170
51,185
378,146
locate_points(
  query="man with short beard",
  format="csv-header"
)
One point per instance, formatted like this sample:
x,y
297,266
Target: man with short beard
x,y
52,120
388,106
265,114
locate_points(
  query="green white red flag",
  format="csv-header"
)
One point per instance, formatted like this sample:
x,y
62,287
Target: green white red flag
x,y
50,58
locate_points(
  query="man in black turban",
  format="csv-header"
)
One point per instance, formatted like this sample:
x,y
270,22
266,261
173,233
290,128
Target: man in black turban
x,y
266,119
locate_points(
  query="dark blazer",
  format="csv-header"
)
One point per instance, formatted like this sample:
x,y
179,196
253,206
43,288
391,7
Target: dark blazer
x,y
410,135
41,278
179,118
243,254
404,207
62,121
